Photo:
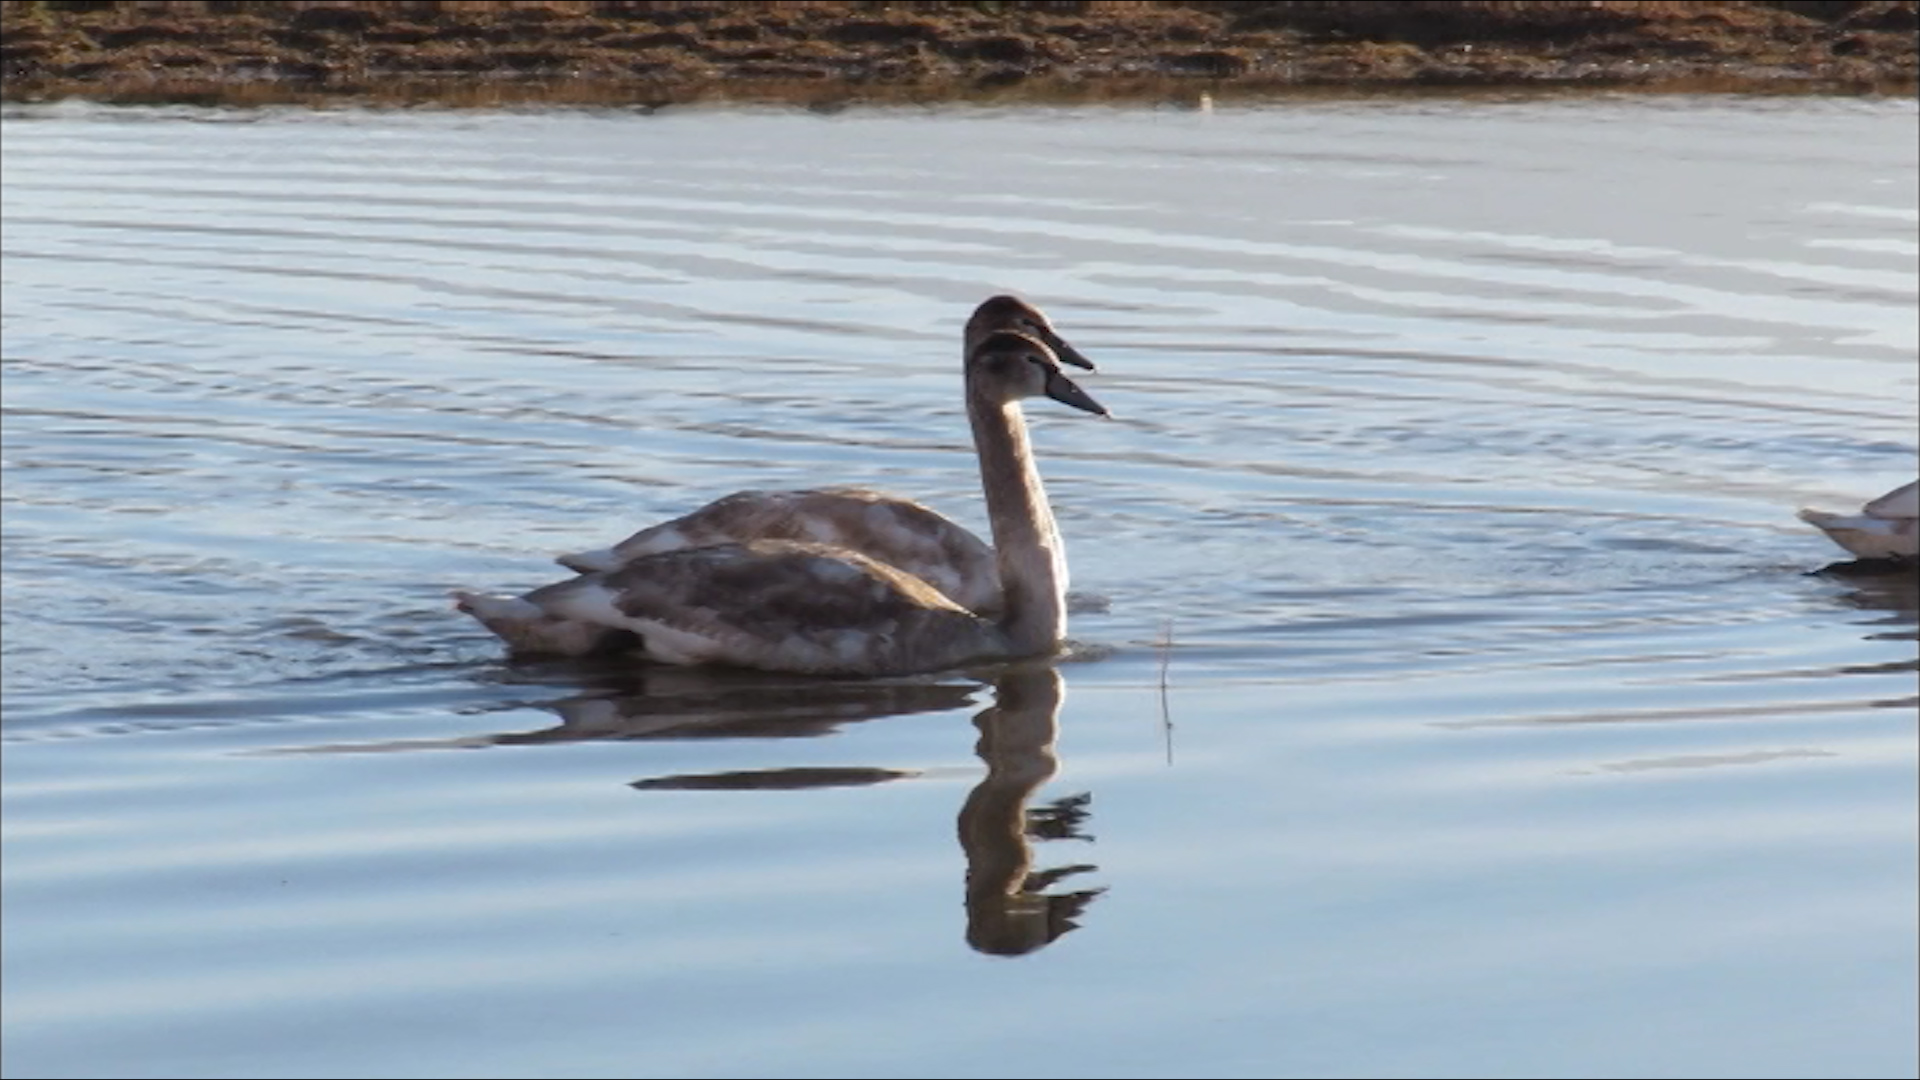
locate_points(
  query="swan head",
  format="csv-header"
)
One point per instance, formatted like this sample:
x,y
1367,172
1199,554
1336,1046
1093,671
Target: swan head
x,y
1007,366
1012,313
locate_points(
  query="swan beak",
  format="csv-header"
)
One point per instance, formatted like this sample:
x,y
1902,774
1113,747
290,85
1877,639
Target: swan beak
x,y
1066,353
1063,390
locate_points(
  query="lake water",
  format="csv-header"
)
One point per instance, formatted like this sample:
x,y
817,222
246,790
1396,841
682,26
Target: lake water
x,y
1450,697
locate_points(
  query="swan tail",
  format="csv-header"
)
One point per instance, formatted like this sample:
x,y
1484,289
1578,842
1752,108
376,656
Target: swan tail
x,y
588,562
531,630
1865,536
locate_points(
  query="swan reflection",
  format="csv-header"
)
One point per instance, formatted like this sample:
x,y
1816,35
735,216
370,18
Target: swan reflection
x,y
674,703
1010,908
678,703
1893,590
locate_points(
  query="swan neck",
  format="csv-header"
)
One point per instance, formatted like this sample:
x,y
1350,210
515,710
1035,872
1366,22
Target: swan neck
x,y
1026,540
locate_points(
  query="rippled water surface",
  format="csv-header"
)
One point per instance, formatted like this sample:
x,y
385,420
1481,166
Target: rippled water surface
x,y
1450,696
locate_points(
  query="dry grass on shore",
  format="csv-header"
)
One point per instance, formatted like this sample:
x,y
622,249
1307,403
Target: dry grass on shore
x,y
685,49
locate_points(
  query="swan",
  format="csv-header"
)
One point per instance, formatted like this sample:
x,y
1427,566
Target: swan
x,y
897,531
811,608
1886,528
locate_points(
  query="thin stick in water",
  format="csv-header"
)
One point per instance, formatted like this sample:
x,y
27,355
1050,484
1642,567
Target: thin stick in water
x,y
1166,658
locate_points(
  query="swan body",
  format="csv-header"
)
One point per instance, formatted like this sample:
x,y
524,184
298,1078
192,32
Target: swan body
x,y
896,531
787,605
1886,528
774,605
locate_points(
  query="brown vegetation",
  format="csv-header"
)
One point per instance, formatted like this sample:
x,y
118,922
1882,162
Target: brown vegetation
x,y
675,50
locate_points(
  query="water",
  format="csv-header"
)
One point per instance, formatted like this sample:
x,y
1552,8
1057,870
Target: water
x,y
1450,697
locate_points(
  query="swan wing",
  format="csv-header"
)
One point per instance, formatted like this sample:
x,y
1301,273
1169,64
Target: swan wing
x,y
898,532
777,606
1901,502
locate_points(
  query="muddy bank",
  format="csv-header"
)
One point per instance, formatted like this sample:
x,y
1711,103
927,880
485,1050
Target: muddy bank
x,y
654,53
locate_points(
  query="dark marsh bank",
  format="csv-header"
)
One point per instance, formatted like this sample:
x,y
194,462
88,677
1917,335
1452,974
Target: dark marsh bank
x,y
654,52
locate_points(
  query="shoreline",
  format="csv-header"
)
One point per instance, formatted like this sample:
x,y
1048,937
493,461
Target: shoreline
x,y
827,54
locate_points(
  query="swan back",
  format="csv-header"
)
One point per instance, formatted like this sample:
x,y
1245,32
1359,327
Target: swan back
x,y
1901,502
899,532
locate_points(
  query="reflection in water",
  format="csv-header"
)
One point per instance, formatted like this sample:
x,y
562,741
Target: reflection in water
x,y
819,776
1708,761
1889,594
1009,911
667,703
1875,586
693,703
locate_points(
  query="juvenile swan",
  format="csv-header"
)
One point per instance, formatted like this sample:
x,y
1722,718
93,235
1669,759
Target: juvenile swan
x,y
784,605
896,531
1886,528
